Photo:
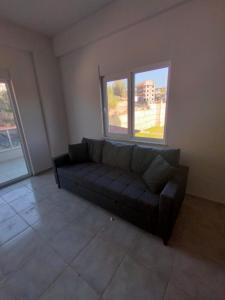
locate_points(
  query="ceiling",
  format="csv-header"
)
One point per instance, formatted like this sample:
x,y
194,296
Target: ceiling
x,y
48,16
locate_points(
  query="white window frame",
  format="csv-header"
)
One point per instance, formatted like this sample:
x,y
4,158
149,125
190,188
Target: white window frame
x,y
130,76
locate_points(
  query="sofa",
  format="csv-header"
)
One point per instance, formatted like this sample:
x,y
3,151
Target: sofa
x,y
110,174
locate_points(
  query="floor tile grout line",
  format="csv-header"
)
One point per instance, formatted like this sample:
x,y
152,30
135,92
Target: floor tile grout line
x,y
20,266
129,254
13,190
85,246
3,244
68,265
43,238
49,244
74,268
104,239
52,283
10,188
29,225
32,206
70,262
61,229
113,275
16,214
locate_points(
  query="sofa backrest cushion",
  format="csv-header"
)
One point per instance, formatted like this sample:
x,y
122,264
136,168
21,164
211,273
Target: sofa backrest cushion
x,y
95,148
117,155
157,174
143,156
78,153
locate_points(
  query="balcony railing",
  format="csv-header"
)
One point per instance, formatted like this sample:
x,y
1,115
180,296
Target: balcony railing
x,y
9,139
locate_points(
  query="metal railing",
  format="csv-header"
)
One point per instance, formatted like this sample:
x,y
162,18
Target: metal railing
x,y
9,139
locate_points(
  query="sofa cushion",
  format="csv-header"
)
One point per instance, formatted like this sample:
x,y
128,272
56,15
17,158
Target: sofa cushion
x,y
95,148
143,156
78,153
77,172
138,197
127,188
117,155
157,174
113,186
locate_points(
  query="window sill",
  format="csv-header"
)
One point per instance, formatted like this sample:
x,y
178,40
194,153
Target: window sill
x,y
137,141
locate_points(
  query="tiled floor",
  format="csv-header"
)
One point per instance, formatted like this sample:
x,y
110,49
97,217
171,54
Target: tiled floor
x,y
55,245
12,169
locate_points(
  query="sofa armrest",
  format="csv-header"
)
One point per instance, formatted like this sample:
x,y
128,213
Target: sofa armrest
x,y
170,202
60,161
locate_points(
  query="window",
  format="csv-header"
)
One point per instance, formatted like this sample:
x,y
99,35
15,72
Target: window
x,y
117,106
135,104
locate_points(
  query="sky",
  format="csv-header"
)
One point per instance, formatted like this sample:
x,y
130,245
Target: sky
x,y
159,76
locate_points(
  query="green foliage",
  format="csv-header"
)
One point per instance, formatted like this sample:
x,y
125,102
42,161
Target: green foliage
x,y
119,88
4,102
112,99
115,92
153,132
6,112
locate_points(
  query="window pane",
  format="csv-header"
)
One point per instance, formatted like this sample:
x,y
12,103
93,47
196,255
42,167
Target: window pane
x,y
6,118
14,137
4,140
150,103
117,109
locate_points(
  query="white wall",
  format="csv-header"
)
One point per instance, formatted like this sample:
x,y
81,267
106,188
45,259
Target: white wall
x,y
114,17
51,94
29,58
191,36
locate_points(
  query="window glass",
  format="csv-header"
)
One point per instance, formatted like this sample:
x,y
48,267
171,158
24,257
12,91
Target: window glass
x,y
117,106
150,103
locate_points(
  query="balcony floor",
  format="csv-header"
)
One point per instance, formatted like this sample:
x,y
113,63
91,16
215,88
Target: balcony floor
x,y
12,169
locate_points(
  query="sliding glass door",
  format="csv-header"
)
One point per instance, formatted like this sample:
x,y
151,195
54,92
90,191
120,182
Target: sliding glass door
x,y
13,158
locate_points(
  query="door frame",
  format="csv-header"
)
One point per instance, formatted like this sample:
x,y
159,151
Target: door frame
x,y
17,118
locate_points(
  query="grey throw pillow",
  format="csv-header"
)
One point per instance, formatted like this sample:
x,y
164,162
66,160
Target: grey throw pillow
x,y
158,174
117,155
143,157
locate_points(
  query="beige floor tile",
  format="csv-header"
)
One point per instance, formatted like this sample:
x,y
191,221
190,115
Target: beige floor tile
x,y
133,281
70,286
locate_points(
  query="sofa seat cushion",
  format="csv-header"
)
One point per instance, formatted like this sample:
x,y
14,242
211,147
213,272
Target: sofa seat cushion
x,y
125,188
77,172
114,183
136,195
